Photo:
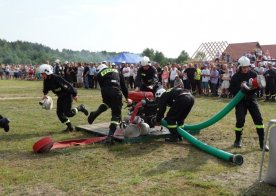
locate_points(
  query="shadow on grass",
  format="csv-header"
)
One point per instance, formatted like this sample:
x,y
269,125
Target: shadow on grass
x,y
260,188
195,156
241,151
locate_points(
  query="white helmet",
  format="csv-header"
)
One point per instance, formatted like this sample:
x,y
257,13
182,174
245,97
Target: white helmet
x,y
57,61
101,67
145,61
244,61
159,92
45,68
46,103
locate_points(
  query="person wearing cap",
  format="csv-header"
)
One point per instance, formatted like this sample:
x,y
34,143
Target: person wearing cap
x,y
248,103
146,79
112,86
270,78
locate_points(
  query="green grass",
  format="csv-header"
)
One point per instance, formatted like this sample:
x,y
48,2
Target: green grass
x,y
150,168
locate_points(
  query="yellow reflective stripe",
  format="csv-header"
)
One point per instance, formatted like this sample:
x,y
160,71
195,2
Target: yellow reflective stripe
x,y
106,71
66,121
76,110
115,122
259,126
238,129
172,126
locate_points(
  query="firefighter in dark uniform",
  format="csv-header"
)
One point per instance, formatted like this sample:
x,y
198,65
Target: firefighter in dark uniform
x,y
180,102
270,78
147,78
112,86
65,93
249,103
4,123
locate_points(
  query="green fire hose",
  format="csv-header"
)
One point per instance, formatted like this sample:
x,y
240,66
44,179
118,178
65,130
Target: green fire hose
x,y
197,127
233,158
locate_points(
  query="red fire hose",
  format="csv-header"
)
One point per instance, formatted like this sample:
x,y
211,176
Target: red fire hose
x,y
46,144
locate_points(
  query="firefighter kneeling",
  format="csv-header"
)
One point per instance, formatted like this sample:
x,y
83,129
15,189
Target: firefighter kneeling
x,y
180,102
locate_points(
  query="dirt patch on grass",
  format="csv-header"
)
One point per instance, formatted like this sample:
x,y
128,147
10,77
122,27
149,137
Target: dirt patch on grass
x,y
40,189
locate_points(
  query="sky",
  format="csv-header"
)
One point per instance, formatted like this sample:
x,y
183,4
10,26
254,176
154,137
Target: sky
x,y
167,26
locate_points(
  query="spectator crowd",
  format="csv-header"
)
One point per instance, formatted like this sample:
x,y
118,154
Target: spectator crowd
x,y
201,78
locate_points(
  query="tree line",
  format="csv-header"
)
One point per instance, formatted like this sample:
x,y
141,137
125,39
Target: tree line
x,y
22,52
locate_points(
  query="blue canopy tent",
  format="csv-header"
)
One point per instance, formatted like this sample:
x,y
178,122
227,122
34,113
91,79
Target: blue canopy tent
x,y
125,56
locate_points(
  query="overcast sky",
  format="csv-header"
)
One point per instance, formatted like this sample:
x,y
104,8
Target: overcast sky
x,y
169,26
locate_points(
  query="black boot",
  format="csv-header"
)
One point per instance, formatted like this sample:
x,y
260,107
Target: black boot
x,y
110,140
260,133
4,123
273,99
238,141
173,137
81,108
95,114
69,128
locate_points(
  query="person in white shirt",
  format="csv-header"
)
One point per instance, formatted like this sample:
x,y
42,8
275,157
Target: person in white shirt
x,y
126,74
173,73
205,78
80,75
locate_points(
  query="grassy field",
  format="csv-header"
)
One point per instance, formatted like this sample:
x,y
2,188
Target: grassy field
x,y
151,168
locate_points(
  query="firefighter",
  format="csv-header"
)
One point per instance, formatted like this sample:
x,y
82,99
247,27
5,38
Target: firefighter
x,y
65,92
249,103
270,77
4,123
180,102
146,79
112,87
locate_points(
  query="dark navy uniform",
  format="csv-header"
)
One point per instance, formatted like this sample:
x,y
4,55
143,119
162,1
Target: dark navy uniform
x,y
270,89
249,103
147,78
112,86
180,102
65,93
4,123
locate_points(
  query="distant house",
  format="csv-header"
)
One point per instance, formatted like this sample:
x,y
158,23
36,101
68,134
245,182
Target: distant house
x,y
271,49
236,50
225,52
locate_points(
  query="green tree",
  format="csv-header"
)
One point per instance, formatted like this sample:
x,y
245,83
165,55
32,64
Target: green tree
x,y
183,57
200,56
149,53
159,57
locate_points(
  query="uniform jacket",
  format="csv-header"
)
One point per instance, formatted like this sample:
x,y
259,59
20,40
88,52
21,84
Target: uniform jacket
x,y
238,78
167,99
147,77
58,86
109,78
